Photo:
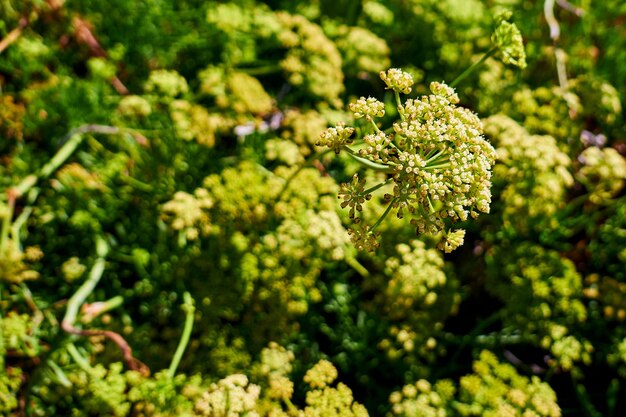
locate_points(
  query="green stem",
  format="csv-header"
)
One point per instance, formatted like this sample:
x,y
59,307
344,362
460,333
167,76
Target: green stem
x,y
384,215
360,269
38,315
72,140
437,166
79,359
474,66
139,185
611,396
79,297
19,223
102,307
260,70
58,372
431,156
292,408
376,187
399,106
369,164
585,401
376,128
306,164
2,348
6,224
189,308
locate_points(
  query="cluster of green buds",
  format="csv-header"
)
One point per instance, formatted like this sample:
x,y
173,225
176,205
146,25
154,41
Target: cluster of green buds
x,y
508,40
437,161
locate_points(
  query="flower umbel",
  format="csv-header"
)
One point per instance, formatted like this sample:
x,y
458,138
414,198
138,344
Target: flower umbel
x,y
353,195
397,80
368,108
336,137
437,162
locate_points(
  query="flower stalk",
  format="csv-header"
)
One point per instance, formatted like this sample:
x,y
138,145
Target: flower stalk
x,y
189,308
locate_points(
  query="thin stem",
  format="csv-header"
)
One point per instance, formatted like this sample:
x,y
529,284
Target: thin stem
x,y
93,310
2,348
571,8
430,157
189,308
437,166
139,185
399,106
74,139
78,358
71,141
561,68
19,223
79,297
376,128
585,400
474,66
548,12
6,222
377,186
384,215
58,372
611,396
28,299
260,70
369,164
555,32
431,207
292,408
13,35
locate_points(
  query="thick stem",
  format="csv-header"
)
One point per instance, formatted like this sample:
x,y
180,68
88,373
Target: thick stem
x,y
292,408
190,309
360,269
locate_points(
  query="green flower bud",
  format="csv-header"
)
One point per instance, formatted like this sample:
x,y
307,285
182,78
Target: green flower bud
x,y
508,39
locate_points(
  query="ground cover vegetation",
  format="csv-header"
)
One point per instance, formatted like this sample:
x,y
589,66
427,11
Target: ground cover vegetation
x,y
322,208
